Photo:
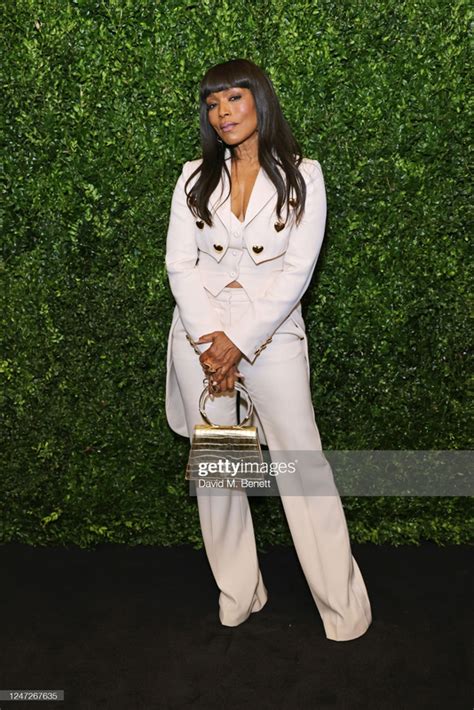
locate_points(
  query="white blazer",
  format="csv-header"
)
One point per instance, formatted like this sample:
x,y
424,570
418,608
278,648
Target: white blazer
x,y
200,261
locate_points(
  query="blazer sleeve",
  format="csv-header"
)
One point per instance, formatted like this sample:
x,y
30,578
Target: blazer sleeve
x,y
195,309
264,315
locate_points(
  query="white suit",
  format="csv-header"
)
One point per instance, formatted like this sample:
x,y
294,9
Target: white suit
x,y
274,262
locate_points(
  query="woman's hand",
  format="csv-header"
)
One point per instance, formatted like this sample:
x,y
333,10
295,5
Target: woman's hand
x,y
227,384
220,358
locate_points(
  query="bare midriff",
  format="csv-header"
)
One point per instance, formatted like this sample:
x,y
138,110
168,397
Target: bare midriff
x,y
243,180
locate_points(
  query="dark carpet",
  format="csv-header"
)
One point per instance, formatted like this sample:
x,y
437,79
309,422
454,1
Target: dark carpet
x,y
137,628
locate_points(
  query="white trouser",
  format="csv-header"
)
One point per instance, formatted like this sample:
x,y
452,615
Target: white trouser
x,y
278,384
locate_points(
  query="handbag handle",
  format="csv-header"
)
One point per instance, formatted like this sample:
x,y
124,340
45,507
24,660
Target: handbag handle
x,y
205,395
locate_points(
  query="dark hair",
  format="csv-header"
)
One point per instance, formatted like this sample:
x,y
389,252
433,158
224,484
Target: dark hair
x,y
276,143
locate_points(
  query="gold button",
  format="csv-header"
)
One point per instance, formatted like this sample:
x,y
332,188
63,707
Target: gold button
x,y
218,247
200,223
279,226
257,249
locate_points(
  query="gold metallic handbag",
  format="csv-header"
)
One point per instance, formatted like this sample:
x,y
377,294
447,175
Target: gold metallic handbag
x,y
225,456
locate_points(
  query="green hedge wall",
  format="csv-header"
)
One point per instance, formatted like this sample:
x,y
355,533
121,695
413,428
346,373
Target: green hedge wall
x,y
99,114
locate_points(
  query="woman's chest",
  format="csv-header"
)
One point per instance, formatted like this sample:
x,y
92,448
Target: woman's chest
x,y
242,185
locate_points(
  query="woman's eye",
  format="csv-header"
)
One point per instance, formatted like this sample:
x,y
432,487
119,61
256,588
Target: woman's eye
x,y
234,96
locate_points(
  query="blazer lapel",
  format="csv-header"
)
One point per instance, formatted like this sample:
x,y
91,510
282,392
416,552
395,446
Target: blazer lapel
x,y
263,191
216,203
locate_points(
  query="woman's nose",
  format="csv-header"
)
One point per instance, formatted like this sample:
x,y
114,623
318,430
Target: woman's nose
x,y
223,110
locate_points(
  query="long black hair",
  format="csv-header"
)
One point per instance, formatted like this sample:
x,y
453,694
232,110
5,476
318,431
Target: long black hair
x,y
277,147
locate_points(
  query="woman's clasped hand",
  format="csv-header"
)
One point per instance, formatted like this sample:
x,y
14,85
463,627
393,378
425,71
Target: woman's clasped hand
x,y
219,361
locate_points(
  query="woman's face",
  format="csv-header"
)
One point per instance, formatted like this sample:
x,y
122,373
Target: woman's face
x,y
233,114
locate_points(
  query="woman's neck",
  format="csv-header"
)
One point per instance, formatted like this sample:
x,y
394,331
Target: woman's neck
x,y
247,152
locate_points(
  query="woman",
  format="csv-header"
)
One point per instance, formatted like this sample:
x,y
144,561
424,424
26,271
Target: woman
x,y
246,226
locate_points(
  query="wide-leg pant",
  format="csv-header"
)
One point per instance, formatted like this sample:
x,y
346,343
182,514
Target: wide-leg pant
x,y
279,387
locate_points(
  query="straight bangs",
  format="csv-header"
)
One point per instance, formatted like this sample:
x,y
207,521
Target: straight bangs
x,y
222,77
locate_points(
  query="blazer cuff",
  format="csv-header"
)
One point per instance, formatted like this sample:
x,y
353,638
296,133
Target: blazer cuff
x,y
249,348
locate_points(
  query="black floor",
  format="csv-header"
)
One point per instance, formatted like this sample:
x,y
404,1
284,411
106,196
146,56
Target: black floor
x,y
138,628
